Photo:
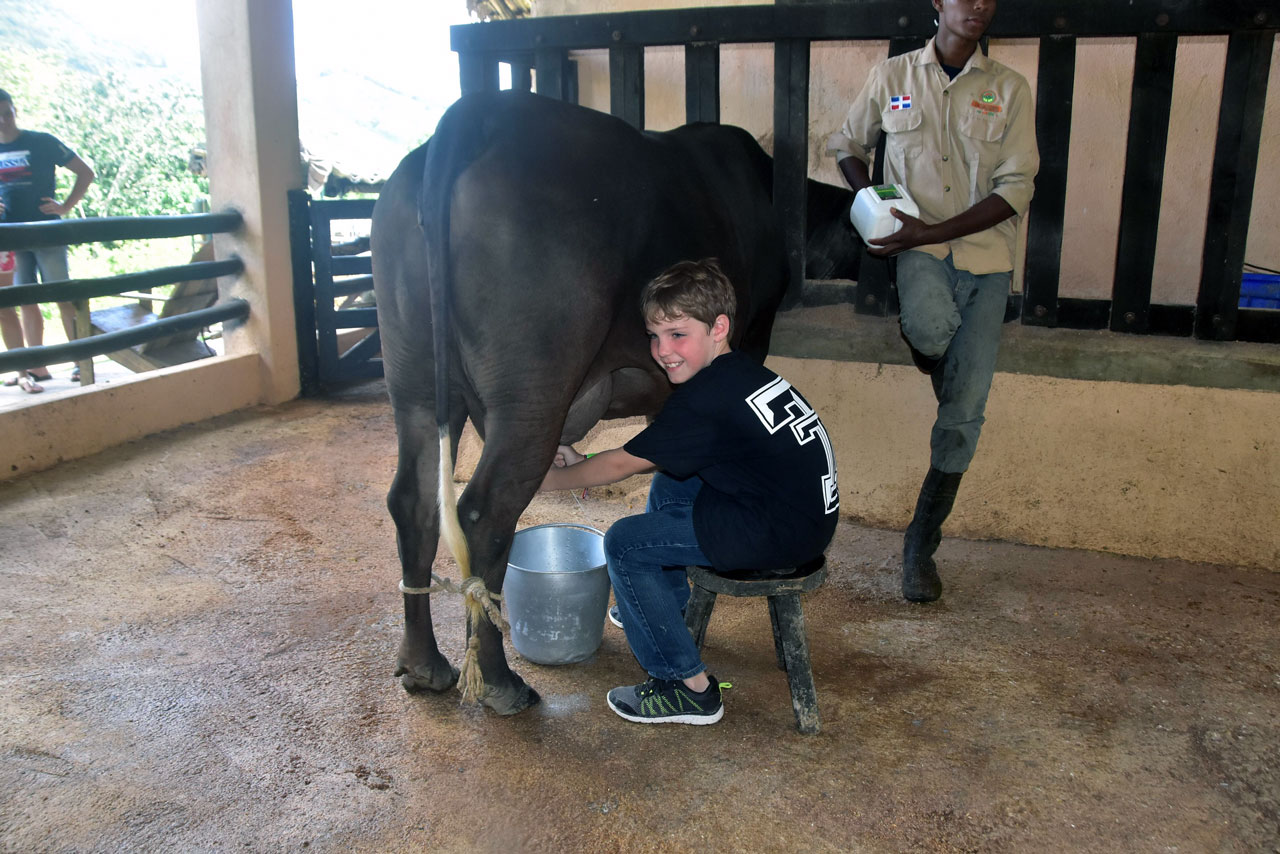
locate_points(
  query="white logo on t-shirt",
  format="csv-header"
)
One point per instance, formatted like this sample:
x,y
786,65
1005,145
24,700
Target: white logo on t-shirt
x,y
778,405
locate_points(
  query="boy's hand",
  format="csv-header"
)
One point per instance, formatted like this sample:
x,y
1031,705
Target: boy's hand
x,y
567,456
604,467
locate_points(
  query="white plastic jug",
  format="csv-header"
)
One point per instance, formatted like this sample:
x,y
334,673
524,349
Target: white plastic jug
x,y
870,212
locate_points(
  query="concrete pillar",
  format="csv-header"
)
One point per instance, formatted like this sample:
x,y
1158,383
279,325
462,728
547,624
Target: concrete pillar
x,y
251,125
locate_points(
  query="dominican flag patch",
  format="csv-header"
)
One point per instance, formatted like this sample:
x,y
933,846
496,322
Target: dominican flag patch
x,y
900,102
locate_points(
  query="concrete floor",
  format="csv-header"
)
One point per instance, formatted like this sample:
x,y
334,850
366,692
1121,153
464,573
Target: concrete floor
x,y
197,633
105,372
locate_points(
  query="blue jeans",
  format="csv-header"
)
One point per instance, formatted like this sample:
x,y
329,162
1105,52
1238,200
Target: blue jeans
x,y
647,555
49,261
957,316
46,264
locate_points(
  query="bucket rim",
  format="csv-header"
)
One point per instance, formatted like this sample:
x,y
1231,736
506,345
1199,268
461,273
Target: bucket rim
x,y
576,525
579,525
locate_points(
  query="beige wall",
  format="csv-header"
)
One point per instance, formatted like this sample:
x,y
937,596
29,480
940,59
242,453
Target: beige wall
x,y
99,417
1146,470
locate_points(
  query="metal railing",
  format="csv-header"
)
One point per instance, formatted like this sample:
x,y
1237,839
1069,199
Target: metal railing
x,y
35,235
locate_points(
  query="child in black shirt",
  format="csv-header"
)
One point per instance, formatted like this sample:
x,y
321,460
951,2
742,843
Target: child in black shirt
x,y
746,479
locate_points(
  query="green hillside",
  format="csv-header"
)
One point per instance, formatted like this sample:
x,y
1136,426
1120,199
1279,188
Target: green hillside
x,y
362,107
41,26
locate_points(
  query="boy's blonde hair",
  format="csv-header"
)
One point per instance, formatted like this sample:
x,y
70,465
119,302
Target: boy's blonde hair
x,y
697,289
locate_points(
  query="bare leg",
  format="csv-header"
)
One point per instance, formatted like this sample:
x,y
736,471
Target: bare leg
x,y
67,311
33,325
10,329
33,332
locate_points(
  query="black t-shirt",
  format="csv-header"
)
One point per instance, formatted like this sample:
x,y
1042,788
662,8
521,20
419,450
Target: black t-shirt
x,y
769,495
27,167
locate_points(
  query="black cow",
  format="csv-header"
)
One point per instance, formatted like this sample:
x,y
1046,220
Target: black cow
x,y
508,257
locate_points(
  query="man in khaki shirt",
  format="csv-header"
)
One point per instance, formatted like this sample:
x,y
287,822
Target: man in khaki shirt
x,y
960,137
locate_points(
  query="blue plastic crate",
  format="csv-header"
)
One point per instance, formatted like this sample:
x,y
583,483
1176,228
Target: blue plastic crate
x,y
1259,290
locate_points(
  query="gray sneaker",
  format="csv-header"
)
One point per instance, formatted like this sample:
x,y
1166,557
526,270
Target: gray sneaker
x,y
659,701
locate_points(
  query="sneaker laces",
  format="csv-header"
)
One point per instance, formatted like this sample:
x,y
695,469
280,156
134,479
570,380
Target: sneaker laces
x,y
653,685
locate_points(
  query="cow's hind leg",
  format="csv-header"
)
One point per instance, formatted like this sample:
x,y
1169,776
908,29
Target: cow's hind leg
x,y
511,467
412,502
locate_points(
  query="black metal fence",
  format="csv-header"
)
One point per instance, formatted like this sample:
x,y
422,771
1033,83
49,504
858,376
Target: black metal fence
x,y
541,47
34,235
322,275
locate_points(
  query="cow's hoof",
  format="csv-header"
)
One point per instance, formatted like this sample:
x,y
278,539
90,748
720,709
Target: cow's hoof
x,y
512,698
421,679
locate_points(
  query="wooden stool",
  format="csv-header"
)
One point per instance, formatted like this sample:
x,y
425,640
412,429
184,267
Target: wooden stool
x,y
789,641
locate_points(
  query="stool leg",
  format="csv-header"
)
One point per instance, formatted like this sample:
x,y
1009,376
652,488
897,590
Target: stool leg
x,y
698,613
777,634
795,648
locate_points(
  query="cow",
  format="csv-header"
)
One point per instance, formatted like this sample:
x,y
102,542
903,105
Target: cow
x,y
509,252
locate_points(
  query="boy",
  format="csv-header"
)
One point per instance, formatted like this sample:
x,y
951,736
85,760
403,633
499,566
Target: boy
x,y
960,136
746,479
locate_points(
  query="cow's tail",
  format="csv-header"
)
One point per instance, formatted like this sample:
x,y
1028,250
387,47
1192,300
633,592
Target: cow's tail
x,y
458,140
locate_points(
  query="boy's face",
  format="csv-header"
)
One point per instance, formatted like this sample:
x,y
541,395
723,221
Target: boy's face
x,y
683,346
966,19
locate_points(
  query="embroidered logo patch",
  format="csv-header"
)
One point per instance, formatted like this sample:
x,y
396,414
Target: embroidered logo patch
x,y
986,104
900,102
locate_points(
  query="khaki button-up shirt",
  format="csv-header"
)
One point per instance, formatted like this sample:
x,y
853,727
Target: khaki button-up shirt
x,y
951,143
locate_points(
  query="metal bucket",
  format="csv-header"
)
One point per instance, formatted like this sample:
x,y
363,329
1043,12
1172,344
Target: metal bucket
x,y
557,592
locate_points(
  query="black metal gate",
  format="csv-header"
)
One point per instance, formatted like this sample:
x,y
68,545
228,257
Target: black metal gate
x,y
337,321
544,45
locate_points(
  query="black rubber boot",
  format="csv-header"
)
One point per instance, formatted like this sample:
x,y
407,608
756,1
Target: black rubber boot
x,y
920,581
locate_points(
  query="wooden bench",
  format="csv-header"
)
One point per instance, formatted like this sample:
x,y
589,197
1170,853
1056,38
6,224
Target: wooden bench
x,y
172,349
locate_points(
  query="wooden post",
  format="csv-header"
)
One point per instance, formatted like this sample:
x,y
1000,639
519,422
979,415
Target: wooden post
x,y
84,329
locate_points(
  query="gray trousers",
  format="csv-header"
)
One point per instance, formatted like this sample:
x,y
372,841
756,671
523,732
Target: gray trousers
x,y
957,316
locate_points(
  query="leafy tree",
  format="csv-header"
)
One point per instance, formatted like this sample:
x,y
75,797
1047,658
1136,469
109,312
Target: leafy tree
x,y
135,127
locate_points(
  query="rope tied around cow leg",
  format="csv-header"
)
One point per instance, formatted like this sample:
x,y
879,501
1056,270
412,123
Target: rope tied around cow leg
x,y
440,584
479,599
481,604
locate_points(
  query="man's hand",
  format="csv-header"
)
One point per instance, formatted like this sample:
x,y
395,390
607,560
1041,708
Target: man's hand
x,y
914,232
911,234
53,206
